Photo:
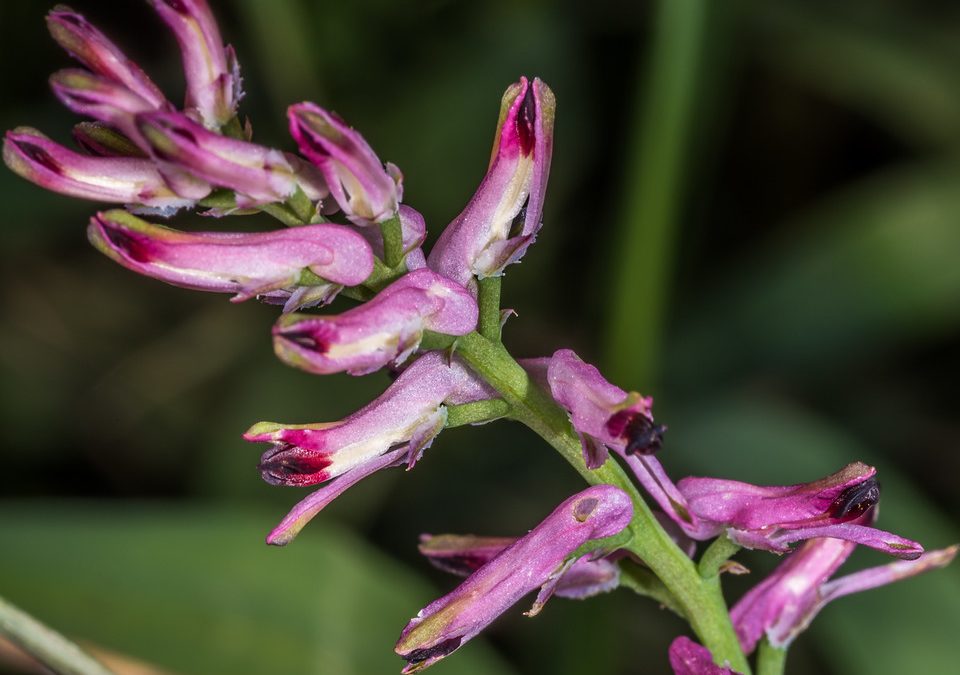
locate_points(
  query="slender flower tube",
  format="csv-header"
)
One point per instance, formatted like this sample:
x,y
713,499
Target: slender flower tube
x,y
95,51
385,330
604,417
97,138
298,266
691,658
366,191
783,605
771,518
503,217
537,560
259,175
465,554
122,180
394,429
212,72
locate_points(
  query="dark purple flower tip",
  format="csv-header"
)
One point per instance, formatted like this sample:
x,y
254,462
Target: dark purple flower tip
x,y
856,500
641,435
286,464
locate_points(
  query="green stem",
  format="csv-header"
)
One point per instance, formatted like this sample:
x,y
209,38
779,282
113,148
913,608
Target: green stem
x,y
392,241
489,300
770,660
477,412
642,251
300,204
642,581
700,600
282,213
716,554
45,644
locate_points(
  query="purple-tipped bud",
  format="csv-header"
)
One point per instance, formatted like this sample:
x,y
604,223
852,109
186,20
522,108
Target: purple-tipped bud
x,y
537,560
212,73
98,97
95,51
395,428
366,191
771,518
121,180
503,217
604,416
691,658
259,175
465,554
298,266
783,605
385,330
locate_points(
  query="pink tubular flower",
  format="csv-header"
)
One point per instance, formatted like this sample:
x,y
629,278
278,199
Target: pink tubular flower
x,y
366,191
100,98
97,138
771,518
299,266
386,329
690,658
212,72
259,175
394,429
537,560
465,554
783,605
95,51
607,417
122,180
503,217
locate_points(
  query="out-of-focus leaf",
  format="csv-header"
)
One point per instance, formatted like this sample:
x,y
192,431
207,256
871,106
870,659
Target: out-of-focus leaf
x,y
874,267
195,590
898,70
757,439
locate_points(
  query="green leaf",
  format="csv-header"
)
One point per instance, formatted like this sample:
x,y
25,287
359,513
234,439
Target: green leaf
x,y
197,591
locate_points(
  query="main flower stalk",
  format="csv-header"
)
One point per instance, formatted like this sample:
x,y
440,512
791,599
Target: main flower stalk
x,y
699,598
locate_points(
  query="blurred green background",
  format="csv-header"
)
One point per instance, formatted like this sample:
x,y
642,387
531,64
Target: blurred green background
x,y
754,215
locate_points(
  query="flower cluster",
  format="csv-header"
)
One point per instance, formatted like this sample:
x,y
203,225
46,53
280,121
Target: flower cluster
x,y
420,315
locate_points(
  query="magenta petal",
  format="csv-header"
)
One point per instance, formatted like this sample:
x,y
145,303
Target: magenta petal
x,y
213,79
690,658
485,238
260,175
385,330
94,96
95,51
316,501
531,562
267,264
366,191
122,180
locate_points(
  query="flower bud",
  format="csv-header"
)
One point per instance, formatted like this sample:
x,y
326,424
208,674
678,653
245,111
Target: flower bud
x,y
95,51
384,330
504,215
212,72
366,191
537,560
297,266
121,180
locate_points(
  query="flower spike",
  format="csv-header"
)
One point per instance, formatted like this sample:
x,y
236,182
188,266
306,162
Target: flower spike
x,y
95,51
537,560
385,330
121,180
366,191
504,216
213,75
298,266
783,605
394,429
771,518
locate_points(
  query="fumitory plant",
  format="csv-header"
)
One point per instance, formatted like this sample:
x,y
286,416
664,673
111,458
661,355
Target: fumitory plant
x,y
434,320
